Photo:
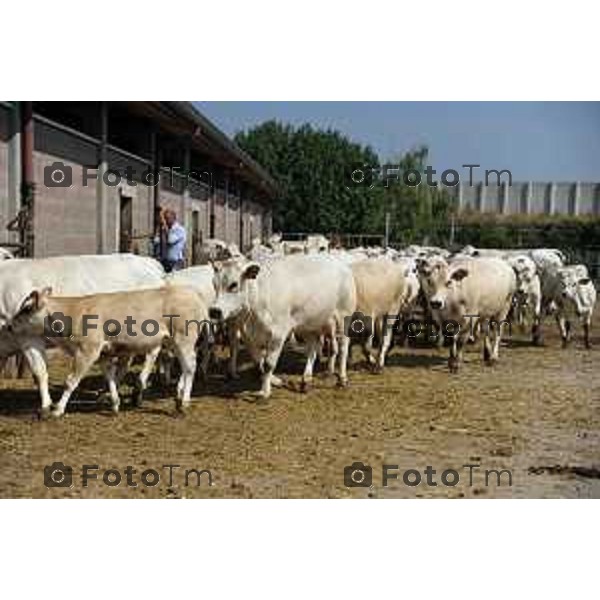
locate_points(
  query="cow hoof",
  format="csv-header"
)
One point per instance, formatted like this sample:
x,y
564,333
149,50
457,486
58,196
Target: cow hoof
x,y
277,381
233,376
453,365
305,387
491,361
588,346
377,370
115,410
45,413
137,398
55,414
565,344
342,383
181,408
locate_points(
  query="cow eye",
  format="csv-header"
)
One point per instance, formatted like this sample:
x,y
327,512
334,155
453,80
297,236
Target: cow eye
x,y
232,287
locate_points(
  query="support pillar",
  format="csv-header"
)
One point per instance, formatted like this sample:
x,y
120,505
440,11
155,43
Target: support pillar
x,y
481,197
186,200
14,168
26,228
101,188
576,194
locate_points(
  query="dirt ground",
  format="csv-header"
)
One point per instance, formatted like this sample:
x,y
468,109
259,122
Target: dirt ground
x,y
536,413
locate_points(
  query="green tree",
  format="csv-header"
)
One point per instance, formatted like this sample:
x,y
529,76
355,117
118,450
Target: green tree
x,y
312,168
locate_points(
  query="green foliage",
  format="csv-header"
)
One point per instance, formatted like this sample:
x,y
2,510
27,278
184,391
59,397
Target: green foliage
x,y
310,166
312,169
560,231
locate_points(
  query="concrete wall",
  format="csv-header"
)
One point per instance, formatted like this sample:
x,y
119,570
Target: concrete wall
x,y
5,217
532,198
10,171
64,217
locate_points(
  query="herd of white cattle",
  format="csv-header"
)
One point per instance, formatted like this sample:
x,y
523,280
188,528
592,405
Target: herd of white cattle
x,y
276,294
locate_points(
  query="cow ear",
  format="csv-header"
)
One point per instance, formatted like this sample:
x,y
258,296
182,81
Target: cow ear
x,y
251,271
584,281
35,301
459,274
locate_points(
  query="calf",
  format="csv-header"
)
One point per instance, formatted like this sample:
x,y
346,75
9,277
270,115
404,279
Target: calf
x,y
573,291
87,339
470,292
67,276
528,296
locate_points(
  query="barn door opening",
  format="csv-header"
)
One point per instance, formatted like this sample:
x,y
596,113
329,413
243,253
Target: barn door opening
x,y
196,237
125,224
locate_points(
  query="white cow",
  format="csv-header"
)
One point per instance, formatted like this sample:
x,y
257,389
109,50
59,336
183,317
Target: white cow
x,y
381,293
469,292
572,291
528,296
310,295
66,275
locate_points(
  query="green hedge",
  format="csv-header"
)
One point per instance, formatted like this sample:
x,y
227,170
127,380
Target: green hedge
x,y
493,231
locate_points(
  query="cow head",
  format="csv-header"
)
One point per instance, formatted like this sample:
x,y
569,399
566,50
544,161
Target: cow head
x,y
439,280
574,285
527,278
235,284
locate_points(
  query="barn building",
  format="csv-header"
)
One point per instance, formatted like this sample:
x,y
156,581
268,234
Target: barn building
x,y
89,177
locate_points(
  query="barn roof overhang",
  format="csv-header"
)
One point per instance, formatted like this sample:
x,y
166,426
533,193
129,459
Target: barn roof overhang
x,y
184,119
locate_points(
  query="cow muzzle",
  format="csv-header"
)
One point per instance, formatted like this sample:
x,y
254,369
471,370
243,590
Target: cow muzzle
x,y
436,304
215,313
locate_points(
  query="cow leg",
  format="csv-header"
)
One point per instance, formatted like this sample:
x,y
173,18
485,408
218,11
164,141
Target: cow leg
x,y
275,381
587,321
386,340
344,346
36,359
111,374
83,363
564,327
205,350
487,347
457,351
536,330
187,361
270,362
313,344
367,348
234,347
333,354
149,362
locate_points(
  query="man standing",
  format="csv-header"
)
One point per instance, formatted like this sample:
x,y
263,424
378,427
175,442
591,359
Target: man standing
x,y
174,237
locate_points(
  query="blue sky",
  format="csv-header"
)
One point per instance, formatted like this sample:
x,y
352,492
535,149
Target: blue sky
x,y
539,141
